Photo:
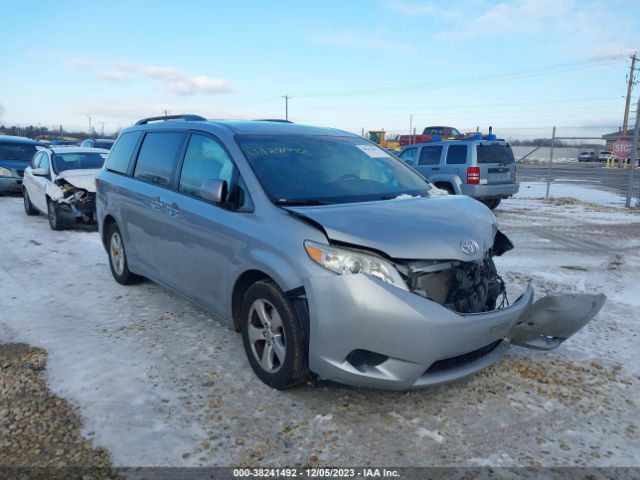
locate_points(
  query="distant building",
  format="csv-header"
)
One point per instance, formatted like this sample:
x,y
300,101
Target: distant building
x,y
611,138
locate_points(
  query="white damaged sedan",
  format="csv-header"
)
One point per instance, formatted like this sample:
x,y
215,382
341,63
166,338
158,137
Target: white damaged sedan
x,y
60,183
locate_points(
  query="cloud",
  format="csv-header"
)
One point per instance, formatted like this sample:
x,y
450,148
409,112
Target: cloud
x,y
113,75
79,63
175,81
169,79
519,16
372,40
609,51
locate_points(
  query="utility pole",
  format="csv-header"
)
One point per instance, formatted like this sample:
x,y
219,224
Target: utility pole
x,y
553,144
286,106
102,129
410,127
166,112
90,129
634,155
630,82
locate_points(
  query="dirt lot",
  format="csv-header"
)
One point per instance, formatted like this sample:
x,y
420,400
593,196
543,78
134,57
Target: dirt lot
x,y
157,382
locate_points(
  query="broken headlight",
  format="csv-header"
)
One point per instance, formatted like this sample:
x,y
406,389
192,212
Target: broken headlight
x,y
344,261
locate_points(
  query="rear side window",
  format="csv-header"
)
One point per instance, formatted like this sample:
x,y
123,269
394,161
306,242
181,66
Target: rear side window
x,y
457,154
120,155
204,160
157,155
495,154
430,155
86,143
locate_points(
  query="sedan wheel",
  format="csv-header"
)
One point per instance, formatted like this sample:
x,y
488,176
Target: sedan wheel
x,y
29,209
55,221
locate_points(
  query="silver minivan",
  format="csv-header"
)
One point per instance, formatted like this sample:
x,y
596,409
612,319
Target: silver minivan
x,y
482,169
333,258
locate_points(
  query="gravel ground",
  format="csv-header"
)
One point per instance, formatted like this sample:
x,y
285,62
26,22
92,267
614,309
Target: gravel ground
x,y
162,383
38,429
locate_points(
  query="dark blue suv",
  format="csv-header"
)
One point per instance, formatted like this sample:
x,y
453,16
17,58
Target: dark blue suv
x,y
15,155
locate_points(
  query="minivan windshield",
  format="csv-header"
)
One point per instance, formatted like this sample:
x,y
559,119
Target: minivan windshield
x,y
315,170
495,153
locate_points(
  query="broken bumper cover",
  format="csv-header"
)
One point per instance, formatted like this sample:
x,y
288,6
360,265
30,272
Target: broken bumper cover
x,y
81,208
402,340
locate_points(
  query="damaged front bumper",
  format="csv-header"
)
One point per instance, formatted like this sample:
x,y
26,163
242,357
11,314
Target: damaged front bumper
x,y
79,206
369,333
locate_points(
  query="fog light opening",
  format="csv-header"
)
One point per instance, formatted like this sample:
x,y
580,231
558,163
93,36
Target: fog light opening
x,y
365,358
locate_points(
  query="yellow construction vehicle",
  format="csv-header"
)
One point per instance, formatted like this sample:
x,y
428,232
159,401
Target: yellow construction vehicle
x,y
378,137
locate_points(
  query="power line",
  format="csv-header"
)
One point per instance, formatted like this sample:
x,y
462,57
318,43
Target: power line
x,y
449,83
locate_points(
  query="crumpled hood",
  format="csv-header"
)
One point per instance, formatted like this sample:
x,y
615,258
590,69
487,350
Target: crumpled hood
x,y
85,179
418,228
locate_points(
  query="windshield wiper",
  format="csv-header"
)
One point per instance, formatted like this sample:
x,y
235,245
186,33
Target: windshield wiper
x,y
302,202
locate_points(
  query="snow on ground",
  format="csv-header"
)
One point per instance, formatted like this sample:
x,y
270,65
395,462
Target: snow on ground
x,y
159,382
565,188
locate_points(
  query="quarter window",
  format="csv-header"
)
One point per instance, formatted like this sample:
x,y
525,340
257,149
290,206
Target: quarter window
x,y
205,159
157,156
430,155
457,154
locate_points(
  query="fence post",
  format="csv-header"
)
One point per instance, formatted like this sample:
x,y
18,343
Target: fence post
x,y
634,156
553,143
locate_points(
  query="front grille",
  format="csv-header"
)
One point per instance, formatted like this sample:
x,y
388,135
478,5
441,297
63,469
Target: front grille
x,y
461,360
20,173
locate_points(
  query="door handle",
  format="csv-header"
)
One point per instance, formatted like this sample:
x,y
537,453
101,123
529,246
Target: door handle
x,y
173,209
156,203
435,168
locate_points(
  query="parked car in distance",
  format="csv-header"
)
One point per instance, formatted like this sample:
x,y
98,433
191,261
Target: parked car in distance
x,y
482,169
330,255
105,143
15,155
586,156
604,155
60,183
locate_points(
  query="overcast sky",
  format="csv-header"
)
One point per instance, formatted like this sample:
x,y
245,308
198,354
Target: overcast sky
x,y
521,66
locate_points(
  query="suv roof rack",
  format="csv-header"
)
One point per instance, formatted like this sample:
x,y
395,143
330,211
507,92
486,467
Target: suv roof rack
x,y
186,118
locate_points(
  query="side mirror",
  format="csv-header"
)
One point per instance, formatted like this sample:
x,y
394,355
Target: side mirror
x,y
214,190
40,172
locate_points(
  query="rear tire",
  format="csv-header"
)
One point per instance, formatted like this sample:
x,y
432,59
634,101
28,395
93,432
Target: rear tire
x,y
272,336
492,203
118,258
29,209
55,220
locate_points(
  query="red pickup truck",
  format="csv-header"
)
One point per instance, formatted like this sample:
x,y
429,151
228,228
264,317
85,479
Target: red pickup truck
x,y
430,134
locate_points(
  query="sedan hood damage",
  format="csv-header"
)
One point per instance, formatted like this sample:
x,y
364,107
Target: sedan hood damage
x,y
83,179
414,228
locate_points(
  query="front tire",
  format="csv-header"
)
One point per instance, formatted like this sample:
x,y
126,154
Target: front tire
x,y
55,220
272,337
118,258
29,209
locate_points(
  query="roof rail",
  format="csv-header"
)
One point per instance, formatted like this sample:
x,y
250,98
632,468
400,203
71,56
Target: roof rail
x,y
186,118
280,120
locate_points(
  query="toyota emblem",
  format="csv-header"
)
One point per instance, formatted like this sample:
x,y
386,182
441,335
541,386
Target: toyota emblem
x,y
469,247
